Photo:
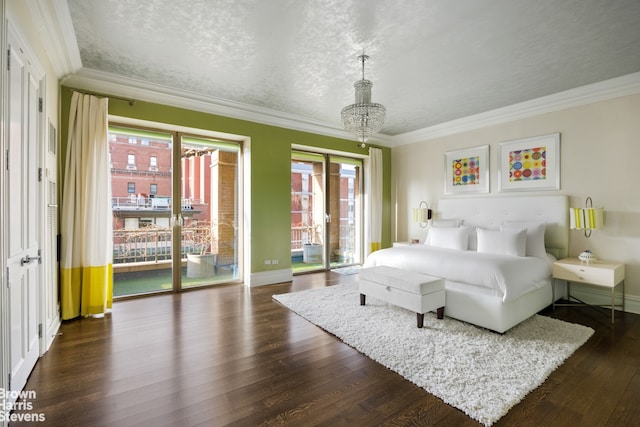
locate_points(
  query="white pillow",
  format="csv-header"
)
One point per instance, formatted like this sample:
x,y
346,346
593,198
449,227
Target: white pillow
x,y
449,237
439,223
503,242
535,236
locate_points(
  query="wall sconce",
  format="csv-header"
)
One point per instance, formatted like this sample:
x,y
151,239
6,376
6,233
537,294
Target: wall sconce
x,y
587,218
422,214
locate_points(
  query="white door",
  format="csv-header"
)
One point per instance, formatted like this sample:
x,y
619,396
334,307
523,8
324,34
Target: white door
x,y
49,312
23,263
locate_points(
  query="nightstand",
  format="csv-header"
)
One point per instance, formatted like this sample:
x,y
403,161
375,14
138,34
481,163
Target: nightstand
x,y
604,274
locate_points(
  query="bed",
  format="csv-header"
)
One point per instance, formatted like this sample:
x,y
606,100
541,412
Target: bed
x,y
495,254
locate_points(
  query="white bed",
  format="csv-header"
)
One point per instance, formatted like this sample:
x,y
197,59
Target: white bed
x,y
491,290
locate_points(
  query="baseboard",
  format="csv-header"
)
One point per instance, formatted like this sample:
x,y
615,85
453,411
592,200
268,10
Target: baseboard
x,y
52,332
598,296
270,277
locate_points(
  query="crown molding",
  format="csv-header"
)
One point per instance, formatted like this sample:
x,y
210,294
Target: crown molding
x,y
53,20
601,91
110,84
106,83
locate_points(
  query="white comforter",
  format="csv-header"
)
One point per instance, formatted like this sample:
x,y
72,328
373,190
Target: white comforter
x,y
509,276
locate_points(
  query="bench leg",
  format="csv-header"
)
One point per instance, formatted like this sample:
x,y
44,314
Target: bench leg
x,y
420,319
441,313
363,299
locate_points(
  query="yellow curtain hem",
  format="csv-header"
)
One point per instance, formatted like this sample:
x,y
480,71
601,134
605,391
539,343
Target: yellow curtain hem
x,y
86,290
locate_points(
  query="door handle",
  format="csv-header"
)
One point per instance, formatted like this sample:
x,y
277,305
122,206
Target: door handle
x,y
29,259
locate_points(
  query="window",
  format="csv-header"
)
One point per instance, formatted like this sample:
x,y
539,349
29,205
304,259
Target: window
x,y
131,161
208,168
133,140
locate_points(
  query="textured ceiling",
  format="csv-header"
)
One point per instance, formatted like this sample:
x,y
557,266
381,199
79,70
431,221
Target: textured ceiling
x,y
432,61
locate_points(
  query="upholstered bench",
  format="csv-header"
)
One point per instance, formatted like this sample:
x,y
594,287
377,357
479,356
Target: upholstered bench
x,y
407,289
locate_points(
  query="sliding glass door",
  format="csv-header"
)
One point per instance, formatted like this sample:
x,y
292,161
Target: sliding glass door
x,y
209,210
175,204
307,212
141,173
345,210
326,211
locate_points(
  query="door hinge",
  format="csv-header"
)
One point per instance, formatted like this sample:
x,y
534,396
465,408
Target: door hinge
x,y
9,381
40,106
39,256
39,174
39,330
7,277
9,59
7,159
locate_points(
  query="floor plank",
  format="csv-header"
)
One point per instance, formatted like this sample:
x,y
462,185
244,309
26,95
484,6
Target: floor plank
x,y
231,356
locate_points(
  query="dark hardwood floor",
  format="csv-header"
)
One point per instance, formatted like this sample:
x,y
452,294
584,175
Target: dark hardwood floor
x,y
232,356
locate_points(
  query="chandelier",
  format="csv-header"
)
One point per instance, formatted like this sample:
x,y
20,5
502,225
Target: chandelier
x,y
363,118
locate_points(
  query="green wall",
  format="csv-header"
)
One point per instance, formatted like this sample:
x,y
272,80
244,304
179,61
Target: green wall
x,y
270,169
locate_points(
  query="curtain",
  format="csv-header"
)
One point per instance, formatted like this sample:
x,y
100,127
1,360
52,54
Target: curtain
x,y
86,279
373,200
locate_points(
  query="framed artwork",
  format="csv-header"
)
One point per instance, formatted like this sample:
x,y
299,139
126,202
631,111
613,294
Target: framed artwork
x,y
467,170
530,164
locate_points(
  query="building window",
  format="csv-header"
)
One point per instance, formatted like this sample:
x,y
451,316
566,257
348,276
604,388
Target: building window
x,y
131,161
153,163
133,140
153,189
131,188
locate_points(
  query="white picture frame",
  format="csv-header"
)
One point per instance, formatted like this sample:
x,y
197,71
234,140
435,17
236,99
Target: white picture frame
x,y
529,164
467,170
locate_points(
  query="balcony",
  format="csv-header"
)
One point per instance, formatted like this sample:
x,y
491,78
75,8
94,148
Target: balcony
x,y
343,252
142,257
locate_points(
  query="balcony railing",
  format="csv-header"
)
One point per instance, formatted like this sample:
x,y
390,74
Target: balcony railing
x,y
135,202
302,235
152,245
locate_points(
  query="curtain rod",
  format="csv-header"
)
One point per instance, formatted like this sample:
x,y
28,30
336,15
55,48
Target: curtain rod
x,y
130,101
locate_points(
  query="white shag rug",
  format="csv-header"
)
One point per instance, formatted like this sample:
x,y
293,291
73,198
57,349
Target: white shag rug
x,y
480,372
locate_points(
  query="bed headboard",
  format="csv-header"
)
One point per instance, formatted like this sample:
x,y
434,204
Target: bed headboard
x,y
490,212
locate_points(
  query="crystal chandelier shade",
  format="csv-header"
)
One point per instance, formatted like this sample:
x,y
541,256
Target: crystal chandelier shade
x,y
364,118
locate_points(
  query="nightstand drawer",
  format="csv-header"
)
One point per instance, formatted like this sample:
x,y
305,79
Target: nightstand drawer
x,y
588,274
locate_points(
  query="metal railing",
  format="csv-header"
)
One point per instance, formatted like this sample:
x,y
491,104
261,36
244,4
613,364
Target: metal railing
x,y
302,235
135,202
152,244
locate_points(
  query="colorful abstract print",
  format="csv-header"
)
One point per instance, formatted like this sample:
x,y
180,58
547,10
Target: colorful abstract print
x,y
466,171
528,165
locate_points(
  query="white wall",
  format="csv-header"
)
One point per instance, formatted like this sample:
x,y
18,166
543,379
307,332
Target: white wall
x,y
600,157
